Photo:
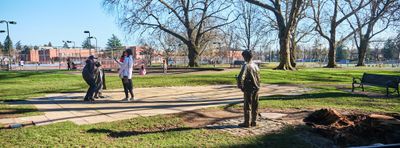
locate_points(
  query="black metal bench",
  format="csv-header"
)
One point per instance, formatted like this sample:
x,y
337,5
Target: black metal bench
x,y
238,63
387,81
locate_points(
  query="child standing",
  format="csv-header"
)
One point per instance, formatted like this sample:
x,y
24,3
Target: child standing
x,y
249,82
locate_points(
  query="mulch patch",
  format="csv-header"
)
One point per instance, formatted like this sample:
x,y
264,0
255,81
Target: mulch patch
x,y
355,129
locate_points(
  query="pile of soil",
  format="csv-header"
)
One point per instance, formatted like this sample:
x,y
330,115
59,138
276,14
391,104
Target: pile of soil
x,y
355,129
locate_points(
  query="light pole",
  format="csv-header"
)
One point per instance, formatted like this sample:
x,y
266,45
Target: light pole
x,y
71,42
90,51
80,50
8,36
96,43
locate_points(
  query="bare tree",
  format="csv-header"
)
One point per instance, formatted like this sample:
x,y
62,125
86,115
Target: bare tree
x,y
325,15
301,33
251,29
370,22
286,23
149,49
168,44
188,20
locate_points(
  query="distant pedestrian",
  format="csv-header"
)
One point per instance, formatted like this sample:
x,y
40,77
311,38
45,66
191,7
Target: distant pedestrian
x,y
89,77
100,80
165,66
249,82
69,64
21,64
142,70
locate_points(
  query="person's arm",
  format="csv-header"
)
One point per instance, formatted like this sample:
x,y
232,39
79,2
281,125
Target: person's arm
x,y
120,63
242,76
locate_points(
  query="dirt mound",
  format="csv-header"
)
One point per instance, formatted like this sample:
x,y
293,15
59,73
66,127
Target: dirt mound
x,y
357,129
328,117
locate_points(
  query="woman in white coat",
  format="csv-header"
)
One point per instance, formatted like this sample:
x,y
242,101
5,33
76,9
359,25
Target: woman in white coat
x,y
125,73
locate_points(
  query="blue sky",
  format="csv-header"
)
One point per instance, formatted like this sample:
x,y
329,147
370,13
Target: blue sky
x,y
41,21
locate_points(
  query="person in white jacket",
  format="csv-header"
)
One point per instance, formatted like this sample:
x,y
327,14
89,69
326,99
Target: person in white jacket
x,y
125,73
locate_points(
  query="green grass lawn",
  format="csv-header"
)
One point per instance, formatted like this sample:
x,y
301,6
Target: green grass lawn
x,y
169,130
24,85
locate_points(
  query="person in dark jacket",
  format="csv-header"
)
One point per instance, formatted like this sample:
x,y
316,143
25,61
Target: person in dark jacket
x,y
99,80
89,77
248,81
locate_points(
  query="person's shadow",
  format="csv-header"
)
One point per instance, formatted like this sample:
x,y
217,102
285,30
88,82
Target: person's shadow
x,y
121,134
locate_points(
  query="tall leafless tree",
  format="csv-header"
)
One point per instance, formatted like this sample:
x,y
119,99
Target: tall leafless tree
x,y
188,20
372,20
327,21
251,28
286,23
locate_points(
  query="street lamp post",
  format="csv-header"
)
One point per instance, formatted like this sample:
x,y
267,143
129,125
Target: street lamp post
x,y
8,36
90,51
96,43
80,50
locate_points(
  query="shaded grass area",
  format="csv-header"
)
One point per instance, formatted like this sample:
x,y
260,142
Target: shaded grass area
x,y
156,131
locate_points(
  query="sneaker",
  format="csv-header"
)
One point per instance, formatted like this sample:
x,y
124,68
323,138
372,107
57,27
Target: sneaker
x,y
244,125
86,99
125,100
132,99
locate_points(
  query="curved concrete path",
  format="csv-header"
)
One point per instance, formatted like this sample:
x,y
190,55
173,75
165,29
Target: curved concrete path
x,y
149,102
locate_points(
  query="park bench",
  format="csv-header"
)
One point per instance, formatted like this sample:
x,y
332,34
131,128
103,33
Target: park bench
x,y
387,81
237,62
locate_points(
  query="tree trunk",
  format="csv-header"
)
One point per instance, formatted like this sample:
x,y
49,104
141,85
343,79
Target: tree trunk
x,y
285,60
331,55
293,51
193,56
362,50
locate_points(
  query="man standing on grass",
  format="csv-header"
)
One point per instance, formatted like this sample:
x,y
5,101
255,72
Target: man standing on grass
x,y
249,82
88,76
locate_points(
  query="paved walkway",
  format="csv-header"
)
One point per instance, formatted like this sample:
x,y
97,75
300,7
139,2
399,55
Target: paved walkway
x,y
149,102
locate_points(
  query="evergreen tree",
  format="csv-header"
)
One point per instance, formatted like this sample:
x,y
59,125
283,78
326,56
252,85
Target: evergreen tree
x,y
49,44
18,46
114,43
1,46
36,47
8,46
65,45
86,44
341,53
389,49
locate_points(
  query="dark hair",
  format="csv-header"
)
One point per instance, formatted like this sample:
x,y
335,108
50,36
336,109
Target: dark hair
x,y
129,51
123,54
247,55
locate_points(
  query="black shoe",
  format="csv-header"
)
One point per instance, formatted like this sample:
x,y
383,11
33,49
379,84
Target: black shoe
x,y
244,125
253,124
86,99
91,100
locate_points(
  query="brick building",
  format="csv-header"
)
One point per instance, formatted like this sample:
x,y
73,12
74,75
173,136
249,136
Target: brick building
x,y
51,55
